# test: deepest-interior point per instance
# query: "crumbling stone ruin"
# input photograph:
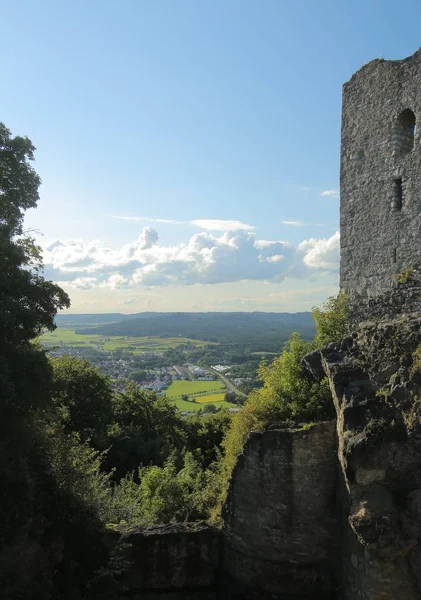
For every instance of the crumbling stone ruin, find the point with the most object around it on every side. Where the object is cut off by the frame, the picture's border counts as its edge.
(380, 215)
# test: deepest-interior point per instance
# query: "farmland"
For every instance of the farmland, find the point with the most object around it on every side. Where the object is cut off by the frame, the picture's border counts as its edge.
(193, 388)
(68, 337)
(195, 406)
(199, 393)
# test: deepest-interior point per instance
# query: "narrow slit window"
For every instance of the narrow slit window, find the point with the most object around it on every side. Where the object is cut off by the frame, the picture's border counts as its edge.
(397, 201)
(395, 255)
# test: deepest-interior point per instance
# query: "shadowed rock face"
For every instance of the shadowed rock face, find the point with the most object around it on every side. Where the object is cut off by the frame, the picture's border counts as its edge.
(279, 517)
(376, 390)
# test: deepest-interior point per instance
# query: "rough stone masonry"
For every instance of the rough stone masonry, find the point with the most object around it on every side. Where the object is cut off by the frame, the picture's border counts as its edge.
(380, 215)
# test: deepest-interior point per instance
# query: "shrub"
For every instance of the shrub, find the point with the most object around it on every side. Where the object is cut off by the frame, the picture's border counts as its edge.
(332, 320)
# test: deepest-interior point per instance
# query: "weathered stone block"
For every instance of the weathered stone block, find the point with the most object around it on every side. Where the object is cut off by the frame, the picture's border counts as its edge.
(280, 522)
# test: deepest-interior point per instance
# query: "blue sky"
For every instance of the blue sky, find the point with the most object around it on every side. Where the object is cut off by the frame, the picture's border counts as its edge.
(219, 121)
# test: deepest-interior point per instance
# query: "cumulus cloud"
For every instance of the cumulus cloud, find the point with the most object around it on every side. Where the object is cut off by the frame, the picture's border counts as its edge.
(205, 258)
(330, 193)
(321, 253)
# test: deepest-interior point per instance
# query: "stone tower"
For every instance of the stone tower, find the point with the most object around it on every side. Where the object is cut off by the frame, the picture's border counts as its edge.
(380, 214)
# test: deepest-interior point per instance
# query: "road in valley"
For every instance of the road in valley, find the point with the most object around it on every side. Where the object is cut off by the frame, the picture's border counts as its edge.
(230, 386)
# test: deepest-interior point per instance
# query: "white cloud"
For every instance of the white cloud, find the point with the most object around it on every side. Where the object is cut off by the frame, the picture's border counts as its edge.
(301, 224)
(330, 193)
(293, 223)
(321, 253)
(208, 224)
(205, 258)
(148, 219)
(305, 188)
(221, 225)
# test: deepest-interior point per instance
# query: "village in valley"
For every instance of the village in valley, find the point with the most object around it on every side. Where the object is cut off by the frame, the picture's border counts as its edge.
(192, 387)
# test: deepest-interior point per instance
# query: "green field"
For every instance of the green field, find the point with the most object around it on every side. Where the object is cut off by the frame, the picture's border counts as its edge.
(195, 406)
(193, 388)
(211, 399)
(203, 392)
(68, 337)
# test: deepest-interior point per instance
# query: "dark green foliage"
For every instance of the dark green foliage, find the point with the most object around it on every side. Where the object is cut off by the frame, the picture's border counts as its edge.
(82, 396)
(173, 492)
(28, 303)
(145, 429)
(138, 376)
(234, 398)
(204, 435)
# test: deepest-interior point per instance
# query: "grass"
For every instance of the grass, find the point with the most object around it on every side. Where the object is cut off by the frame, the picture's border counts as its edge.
(193, 388)
(197, 390)
(68, 337)
(211, 399)
(195, 406)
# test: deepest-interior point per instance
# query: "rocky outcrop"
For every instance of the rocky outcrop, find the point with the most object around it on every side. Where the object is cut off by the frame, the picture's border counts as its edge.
(375, 382)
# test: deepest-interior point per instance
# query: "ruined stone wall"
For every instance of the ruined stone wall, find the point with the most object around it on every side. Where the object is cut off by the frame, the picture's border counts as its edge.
(181, 559)
(380, 175)
(279, 516)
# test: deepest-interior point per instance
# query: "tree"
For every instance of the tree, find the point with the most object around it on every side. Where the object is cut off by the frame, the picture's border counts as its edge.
(185, 397)
(205, 434)
(82, 396)
(169, 495)
(138, 376)
(28, 303)
(146, 428)
(234, 398)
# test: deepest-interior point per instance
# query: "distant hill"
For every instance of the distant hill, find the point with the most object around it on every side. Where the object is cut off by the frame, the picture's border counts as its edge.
(259, 331)
(97, 319)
